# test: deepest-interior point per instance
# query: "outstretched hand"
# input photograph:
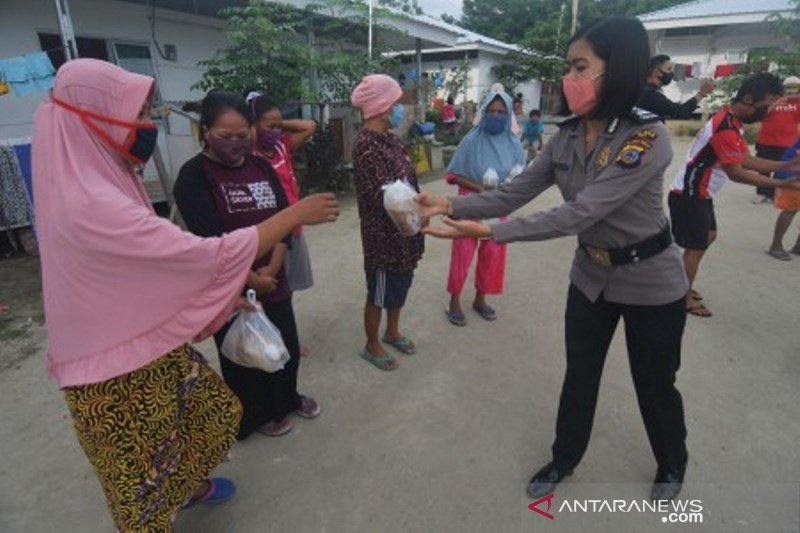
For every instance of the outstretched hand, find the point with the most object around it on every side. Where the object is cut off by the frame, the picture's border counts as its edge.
(793, 184)
(459, 229)
(430, 205)
(793, 165)
(317, 209)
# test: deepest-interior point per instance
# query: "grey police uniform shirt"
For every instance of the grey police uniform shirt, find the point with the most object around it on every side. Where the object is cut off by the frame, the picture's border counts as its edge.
(613, 197)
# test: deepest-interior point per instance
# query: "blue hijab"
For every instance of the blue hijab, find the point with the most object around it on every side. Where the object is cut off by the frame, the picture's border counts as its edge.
(480, 151)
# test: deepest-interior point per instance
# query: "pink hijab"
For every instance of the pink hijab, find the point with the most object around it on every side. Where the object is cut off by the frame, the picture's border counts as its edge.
(122, 287)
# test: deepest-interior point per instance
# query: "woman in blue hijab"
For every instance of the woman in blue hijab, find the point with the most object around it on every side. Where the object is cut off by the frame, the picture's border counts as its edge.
(487, 157)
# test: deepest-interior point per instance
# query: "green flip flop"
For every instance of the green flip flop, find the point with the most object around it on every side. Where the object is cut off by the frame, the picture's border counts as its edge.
(382, 362)
(404, 345)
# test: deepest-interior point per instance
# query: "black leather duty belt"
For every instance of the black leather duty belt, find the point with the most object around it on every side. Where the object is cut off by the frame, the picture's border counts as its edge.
(630, 254)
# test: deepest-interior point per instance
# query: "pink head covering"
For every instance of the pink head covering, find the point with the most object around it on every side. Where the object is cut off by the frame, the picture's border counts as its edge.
(376, 94)
(121, 285)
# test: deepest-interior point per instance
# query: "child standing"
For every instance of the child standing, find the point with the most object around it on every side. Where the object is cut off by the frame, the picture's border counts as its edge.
(532, 134)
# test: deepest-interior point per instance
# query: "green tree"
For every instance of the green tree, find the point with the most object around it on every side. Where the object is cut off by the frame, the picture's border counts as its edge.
(265, 49)
(542, 28)
(314, 54)
(407, 6)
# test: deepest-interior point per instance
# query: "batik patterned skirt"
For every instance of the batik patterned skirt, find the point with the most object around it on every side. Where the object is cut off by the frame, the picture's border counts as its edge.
(154, 435)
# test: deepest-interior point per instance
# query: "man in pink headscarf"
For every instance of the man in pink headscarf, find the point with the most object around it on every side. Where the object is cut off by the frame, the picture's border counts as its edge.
(380, 158)
(124, 293)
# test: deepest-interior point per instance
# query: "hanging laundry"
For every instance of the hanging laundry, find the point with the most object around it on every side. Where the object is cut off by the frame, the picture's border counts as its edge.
(679, 74)
(725, 70)
(437, 79)
(29, 73)
(14, 210)
(689, 71)
(23, 153)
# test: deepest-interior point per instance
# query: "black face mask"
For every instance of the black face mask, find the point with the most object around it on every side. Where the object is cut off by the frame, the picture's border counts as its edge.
(666, 78)
(758, 115)
(144, 144)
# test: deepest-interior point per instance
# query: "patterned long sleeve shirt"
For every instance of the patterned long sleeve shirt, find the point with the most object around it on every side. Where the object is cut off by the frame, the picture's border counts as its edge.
(380, 159)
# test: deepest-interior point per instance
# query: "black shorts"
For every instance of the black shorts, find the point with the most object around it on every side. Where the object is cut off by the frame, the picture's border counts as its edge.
(692, 219)
(388, 290)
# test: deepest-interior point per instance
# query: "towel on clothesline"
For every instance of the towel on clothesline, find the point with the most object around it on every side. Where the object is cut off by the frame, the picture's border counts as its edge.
(29, 73)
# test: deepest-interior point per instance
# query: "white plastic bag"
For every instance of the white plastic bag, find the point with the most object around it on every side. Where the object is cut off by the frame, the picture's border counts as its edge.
(253, 341)
(490, 179)
(515, 171)
(398, 199)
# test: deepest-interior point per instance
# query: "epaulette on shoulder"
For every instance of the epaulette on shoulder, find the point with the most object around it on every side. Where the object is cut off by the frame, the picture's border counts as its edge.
(642, 116)
(569, 120)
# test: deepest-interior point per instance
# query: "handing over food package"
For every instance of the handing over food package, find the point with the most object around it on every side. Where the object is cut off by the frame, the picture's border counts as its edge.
(398, 199)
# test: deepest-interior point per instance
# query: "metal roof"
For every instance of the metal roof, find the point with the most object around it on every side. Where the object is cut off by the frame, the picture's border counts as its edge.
(718, 8)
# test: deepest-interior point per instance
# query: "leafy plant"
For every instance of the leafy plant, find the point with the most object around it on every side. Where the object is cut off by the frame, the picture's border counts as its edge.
(324, 168)
(317, 54)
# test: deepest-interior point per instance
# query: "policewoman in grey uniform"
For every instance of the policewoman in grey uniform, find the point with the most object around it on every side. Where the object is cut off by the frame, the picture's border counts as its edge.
(608, 161)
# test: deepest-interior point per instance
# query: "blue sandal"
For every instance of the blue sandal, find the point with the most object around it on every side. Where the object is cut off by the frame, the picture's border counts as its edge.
(486, 312)
(220, 489)
(385, 362)
(404, 345)
(456, 318)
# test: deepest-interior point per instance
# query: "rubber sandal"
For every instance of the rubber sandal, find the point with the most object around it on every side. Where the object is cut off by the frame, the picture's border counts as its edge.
(700, 310)
(308, 408)
(456, 318)
(220, 490)
(486, 312)
(696, 295)
(404, 345)
(381, 362)
(782, 255)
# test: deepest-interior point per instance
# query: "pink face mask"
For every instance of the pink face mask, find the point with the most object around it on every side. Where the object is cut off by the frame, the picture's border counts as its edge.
(580, 93)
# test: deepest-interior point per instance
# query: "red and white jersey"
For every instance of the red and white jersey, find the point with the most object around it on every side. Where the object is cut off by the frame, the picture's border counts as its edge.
(720, 142)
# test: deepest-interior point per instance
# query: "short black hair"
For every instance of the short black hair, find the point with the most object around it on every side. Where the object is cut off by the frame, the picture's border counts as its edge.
(658, 60)
(759, 86)
(622, 43)
(450, 100)
(534, 113)
(261, 104)
(218, 102)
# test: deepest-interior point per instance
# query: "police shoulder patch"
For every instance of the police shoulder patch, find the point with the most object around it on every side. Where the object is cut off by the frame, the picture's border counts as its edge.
(634, 149)
(642, 116)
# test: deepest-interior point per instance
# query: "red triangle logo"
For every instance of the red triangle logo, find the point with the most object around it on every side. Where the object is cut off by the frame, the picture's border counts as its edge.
(534, 506)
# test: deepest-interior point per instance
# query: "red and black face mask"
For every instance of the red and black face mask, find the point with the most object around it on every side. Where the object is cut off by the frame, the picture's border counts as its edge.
(139, 145)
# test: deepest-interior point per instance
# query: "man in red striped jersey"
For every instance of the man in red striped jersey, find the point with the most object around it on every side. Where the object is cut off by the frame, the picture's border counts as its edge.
(718, 153)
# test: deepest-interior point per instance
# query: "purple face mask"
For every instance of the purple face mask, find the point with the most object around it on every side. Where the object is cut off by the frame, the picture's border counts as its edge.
(269, 138)
(229, 151)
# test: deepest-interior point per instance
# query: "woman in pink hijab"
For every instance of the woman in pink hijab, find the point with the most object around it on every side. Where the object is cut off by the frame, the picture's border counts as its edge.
(125, 292)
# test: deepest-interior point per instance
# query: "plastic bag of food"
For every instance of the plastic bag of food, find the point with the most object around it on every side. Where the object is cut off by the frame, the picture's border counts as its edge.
(490, 179)
(253, 341)
(398, 199)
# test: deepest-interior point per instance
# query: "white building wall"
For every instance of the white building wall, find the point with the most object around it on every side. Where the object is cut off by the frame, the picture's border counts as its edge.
(724, 46)
(195, 38)
(531, 94)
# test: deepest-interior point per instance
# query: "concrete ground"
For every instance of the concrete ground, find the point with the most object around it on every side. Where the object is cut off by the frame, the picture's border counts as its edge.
(448, 441)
